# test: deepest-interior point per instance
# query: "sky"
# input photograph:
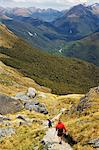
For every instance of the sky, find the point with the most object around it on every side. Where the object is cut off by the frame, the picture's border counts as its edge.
(55, 4)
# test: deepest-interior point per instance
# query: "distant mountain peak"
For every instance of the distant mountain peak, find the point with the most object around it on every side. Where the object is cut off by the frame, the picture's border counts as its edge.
(78, 10)
(95, 5)
(95, 8)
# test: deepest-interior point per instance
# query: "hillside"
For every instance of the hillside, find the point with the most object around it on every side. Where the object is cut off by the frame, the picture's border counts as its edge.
(38, 33)
(25, 129)
(11, 81)
(62, 75)
(13, 134)
(86, 49)
(83, 125)
(4, 34)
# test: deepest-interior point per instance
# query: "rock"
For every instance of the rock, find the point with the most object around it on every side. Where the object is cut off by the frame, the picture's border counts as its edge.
(22, 96)
(4, 118)
(51, 141)
(97, 89)
(7, 124)
(26, 96)
(21, 117)
(37, 121)
(31, 105)
(6, 132)
(89, 100)
(36, 106)
(94, 143)
(9, 105)
(24, 120)
(31, 92)
(4, 123)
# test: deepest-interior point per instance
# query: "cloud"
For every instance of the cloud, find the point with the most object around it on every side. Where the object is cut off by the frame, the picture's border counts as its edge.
(57, 4)
(47, 1)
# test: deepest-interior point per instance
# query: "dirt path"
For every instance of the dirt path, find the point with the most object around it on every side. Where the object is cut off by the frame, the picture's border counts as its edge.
(51, 140)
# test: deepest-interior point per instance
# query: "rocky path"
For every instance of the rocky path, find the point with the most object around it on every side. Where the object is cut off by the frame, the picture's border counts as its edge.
(51, 140)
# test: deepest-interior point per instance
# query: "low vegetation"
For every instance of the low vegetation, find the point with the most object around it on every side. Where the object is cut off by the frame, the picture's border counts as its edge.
(86, 49)
(82, 124)
(62, 75)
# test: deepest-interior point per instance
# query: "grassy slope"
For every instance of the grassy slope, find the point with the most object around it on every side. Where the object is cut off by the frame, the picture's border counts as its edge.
(85, 49)
(11, 82)
(82, 127)
(62, 75)
(7, 38)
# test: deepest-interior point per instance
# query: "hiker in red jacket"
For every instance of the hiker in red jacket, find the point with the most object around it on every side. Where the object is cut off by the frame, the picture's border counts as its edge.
(60, 128)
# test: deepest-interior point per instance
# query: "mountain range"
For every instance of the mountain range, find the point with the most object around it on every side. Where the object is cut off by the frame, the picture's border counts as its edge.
(37, 13)
(78, 22)
(54, 35)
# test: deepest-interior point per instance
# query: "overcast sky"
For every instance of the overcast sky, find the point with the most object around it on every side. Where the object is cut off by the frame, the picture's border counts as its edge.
(56, 4)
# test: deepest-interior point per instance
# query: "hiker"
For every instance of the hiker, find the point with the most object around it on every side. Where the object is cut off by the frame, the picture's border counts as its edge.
(60, 128)
(49, 123)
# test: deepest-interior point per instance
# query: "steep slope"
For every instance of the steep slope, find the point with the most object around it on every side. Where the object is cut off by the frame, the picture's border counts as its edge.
(85, 49)
(80, 115)
(12, 132)
(11, 81)
(62, 75)
(38, 33)
(4, 34)
(79, 21)
(83, 125)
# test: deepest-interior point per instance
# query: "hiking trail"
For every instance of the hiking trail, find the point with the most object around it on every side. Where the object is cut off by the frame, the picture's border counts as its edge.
(51, 140)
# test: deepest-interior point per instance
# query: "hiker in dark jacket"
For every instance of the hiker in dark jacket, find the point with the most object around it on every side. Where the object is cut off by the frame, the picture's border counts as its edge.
(49, 123)
(60, 128)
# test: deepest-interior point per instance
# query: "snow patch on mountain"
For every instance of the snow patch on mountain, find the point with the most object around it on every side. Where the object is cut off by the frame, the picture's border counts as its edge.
(60, 50)
(32, 34)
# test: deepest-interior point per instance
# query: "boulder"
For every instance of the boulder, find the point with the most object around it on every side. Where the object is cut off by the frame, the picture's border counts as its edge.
(4, 132)
(36, 106)
(94, 143)
(22, 96)
(37, 121)
(31, 92)
(89, 100)
(4, 118)
(9, 105)
(24, 120)
(21, 117)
